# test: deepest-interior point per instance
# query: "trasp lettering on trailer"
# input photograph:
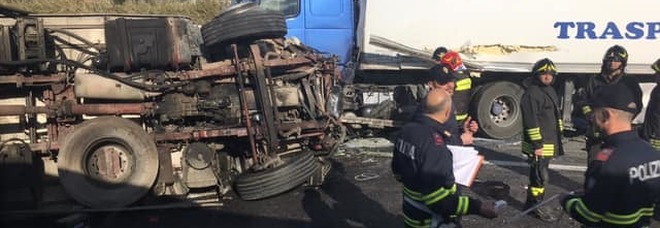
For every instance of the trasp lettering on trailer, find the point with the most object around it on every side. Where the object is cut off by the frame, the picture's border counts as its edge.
(611, 30)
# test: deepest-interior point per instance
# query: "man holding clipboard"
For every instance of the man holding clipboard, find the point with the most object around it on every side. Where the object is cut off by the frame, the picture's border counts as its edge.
(423, 163)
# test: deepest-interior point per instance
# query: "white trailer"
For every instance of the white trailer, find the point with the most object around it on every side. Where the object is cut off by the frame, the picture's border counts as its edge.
(511, 35)
(501, 40)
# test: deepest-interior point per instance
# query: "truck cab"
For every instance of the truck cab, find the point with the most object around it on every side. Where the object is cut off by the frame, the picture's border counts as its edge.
(324, 25)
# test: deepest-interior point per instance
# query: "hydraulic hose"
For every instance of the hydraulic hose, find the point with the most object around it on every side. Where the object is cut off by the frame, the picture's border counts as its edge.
(73, 35)
(81, 49)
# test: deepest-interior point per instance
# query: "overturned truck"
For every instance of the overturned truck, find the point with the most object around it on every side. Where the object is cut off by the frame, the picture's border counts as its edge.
(126, 106)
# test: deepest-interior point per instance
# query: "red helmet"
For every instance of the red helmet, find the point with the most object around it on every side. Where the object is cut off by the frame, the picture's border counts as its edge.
(453, 60)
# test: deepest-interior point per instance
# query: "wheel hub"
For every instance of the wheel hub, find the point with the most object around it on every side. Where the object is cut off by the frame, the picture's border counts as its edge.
(110, 164)
(496, 109)
(501, 111)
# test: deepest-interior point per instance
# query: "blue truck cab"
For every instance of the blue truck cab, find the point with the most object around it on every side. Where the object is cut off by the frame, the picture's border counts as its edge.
(326, 25)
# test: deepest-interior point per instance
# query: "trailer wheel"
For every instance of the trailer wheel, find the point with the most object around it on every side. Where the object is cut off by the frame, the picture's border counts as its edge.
(247, 21)
(497, 107)
(271, 182)
(107, 162)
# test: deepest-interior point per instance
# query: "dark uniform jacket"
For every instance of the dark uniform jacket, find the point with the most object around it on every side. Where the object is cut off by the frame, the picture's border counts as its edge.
(600, 80)
(621, 185)
(542, 125)
(651, 129)
(423, 164)
(454, 130)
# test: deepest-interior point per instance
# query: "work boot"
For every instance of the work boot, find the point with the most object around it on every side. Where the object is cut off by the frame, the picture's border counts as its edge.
(532, 200)
(543, 214)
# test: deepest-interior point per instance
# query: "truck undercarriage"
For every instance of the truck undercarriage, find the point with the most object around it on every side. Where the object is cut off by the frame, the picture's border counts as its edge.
(154, 105)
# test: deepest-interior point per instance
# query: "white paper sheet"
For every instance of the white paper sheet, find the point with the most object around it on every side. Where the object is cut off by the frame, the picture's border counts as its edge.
(466, 164)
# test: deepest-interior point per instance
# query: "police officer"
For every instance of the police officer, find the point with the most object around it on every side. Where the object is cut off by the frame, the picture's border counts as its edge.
(612, 72)
(623, 180)
(542, 131)
(423, 163)
(651, 127)
(441, 78)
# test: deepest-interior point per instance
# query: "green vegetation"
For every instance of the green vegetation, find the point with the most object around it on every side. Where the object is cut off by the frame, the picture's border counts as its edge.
(201, 11)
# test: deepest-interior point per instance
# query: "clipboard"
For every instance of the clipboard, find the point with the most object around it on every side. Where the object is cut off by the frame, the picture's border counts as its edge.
(466, 163)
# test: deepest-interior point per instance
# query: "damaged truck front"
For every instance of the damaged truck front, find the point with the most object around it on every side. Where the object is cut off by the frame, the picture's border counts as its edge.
(126, 106)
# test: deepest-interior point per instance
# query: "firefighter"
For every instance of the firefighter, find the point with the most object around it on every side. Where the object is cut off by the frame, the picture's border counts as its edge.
(438, 53)
(443, 79)
(612, 72)
(423, 163)
(463, 85)
(651, 127)
(542, 131)
(623, 180)
(463, 89)
(436, 57)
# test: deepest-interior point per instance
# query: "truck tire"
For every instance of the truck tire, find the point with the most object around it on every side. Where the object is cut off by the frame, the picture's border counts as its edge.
(88, 152)
(271, 182)
(237, 8)
(248, 22)
(497, 107)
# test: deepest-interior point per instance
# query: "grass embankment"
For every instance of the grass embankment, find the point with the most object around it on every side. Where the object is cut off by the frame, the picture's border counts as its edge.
(201, 11)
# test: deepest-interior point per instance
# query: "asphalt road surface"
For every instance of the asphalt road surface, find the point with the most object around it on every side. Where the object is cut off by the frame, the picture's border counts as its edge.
(361, 192)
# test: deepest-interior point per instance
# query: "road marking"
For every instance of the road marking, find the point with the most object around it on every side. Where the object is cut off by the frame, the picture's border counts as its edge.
(524, 164)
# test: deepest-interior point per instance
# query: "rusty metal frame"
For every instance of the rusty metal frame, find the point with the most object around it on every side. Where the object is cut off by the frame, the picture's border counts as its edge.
(246, 113)
(304, 125)
(198, 134)
(109, 109)
(226, 69)
(165, 169)
(286, 62)
(263, 99)
(68, 108)
(34, 80)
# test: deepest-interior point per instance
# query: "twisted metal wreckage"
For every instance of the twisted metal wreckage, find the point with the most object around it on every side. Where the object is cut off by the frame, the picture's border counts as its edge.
(162, 106)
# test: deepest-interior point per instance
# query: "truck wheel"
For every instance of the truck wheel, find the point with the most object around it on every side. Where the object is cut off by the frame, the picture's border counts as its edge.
(271, 182)
(248, 22)
(497, 107)
(107, 162)
(237, 8)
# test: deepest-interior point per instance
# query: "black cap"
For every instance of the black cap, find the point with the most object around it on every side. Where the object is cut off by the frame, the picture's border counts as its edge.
(441, 74)
(438, 53)
(616, 96)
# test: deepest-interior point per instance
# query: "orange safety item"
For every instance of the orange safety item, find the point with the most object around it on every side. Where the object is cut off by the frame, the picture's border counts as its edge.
(453, 60)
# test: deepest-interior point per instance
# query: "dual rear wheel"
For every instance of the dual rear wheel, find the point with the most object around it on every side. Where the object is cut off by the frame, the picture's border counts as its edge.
(108, 162)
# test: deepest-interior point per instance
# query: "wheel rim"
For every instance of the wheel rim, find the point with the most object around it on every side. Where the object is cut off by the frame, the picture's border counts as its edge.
(109, 161)
(503, 111)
